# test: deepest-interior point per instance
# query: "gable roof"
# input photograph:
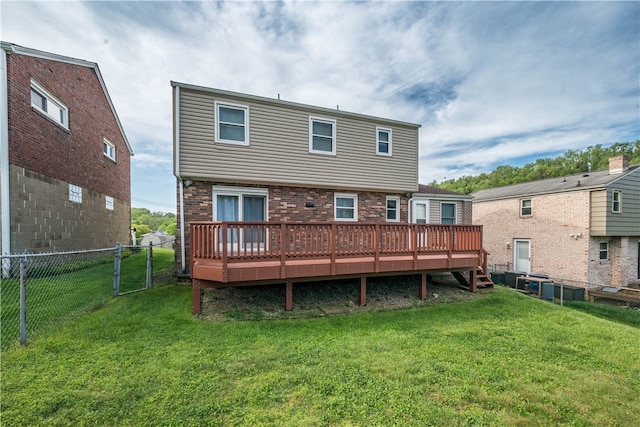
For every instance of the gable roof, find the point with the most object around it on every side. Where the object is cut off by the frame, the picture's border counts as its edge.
(427, 190)
(14, 48)
(577, 182)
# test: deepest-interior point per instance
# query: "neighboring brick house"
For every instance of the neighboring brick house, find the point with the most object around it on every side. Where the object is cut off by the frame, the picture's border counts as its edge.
(65, 172)
(583, 228)
(249, 158)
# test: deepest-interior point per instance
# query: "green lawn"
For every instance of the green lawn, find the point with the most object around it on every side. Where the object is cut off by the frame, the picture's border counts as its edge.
(67, 290)
(504, 359)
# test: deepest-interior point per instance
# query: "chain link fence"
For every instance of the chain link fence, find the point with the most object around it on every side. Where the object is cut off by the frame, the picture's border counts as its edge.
(40, 290)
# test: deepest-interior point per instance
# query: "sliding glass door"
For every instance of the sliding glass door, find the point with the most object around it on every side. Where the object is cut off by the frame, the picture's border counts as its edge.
(244, 205)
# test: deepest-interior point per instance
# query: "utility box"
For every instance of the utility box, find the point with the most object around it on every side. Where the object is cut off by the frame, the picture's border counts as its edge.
(569, 293)
(510, 277)
(547, 292)
(534, 286)
(497, 277)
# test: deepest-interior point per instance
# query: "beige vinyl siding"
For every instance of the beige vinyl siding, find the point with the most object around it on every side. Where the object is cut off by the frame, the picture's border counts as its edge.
(278, 150)
(435, 211)
(598, 214)
(626, 223)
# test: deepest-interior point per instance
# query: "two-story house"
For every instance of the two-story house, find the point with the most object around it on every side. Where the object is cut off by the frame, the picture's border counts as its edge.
(65, 159)
(319, 190)
(583, 229)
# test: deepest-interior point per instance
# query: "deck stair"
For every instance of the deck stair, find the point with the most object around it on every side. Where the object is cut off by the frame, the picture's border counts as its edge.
(482, 279)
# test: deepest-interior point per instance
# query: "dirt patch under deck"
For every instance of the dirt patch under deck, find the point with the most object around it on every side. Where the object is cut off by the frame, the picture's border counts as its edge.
(330, 298)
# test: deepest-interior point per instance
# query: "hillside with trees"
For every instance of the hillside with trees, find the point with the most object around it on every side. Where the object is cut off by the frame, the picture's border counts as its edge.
(145, 221)
(572, 162)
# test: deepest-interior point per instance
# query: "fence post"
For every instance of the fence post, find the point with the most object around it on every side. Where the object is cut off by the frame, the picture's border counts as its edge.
(23, 300)
(149, 281)
(116, 270)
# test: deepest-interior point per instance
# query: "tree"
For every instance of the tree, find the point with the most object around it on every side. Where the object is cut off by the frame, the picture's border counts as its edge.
(592, 158)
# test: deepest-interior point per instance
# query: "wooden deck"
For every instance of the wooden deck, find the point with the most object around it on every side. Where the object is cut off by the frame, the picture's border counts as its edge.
(256, 253)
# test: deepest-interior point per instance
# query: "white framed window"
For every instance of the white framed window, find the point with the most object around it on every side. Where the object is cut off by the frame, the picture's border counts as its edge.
(383, 141)
(525, 207)
(393, 208)
(447, 213)
(604, 250)
(108, 201)
(345, 207)
(75, 193)
(108, 149)
(616, 201)
(47, 104)
(232, 123)
(322, 136)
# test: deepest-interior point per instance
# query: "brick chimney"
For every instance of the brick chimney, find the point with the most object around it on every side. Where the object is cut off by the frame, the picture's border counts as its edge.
(618, 164)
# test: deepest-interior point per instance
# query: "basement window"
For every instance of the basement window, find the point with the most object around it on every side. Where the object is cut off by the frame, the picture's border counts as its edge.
(75, 193)
(604, 251)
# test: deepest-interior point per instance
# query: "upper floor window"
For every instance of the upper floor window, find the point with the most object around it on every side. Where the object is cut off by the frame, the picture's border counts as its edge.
(322, 136)
(393, 209)
(346, 207)
(108, 202)
(383, 141)
(75, 193)
(447, 213)
(525, 207)
(232, 123)
(108, 149)
(604, 250)
(46, 103)
(616, 201)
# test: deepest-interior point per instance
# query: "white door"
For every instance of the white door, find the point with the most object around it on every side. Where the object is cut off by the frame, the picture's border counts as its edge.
(420, 212)
(522, 256)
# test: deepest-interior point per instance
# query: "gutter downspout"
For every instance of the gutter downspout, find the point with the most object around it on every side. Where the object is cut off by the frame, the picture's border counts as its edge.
(5, 198)
(176, 168)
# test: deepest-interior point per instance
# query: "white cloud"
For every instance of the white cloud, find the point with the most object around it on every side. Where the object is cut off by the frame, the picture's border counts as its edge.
(491, 82)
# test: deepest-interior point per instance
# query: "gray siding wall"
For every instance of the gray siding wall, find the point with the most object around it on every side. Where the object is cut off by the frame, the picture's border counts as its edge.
(278, 150)
(626, 223)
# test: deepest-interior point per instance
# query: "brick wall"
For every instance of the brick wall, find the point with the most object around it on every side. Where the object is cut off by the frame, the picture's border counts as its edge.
(45, 157)
(285, 204)
(555, 218)
(75, 155)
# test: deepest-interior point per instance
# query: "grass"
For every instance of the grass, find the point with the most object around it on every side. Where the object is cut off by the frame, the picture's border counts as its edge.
(504, 359)
(69, 289)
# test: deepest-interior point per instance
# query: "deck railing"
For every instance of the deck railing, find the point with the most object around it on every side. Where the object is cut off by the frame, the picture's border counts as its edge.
(229, 241)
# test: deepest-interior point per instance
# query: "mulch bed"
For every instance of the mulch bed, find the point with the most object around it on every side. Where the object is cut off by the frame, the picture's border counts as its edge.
(329, 298)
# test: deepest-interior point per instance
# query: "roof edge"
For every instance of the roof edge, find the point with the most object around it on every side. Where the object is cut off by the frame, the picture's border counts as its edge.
(21, 50)
(291, 104)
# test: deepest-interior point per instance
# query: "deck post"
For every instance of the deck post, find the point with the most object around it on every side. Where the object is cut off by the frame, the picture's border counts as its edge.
(197, 297)
(422, 292)
(288, 296)
(362, 299)
(283, 252)
(472, 280)
(376, 248)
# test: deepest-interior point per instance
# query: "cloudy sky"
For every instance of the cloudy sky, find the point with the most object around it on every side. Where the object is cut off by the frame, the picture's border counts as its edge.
(492, 83)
